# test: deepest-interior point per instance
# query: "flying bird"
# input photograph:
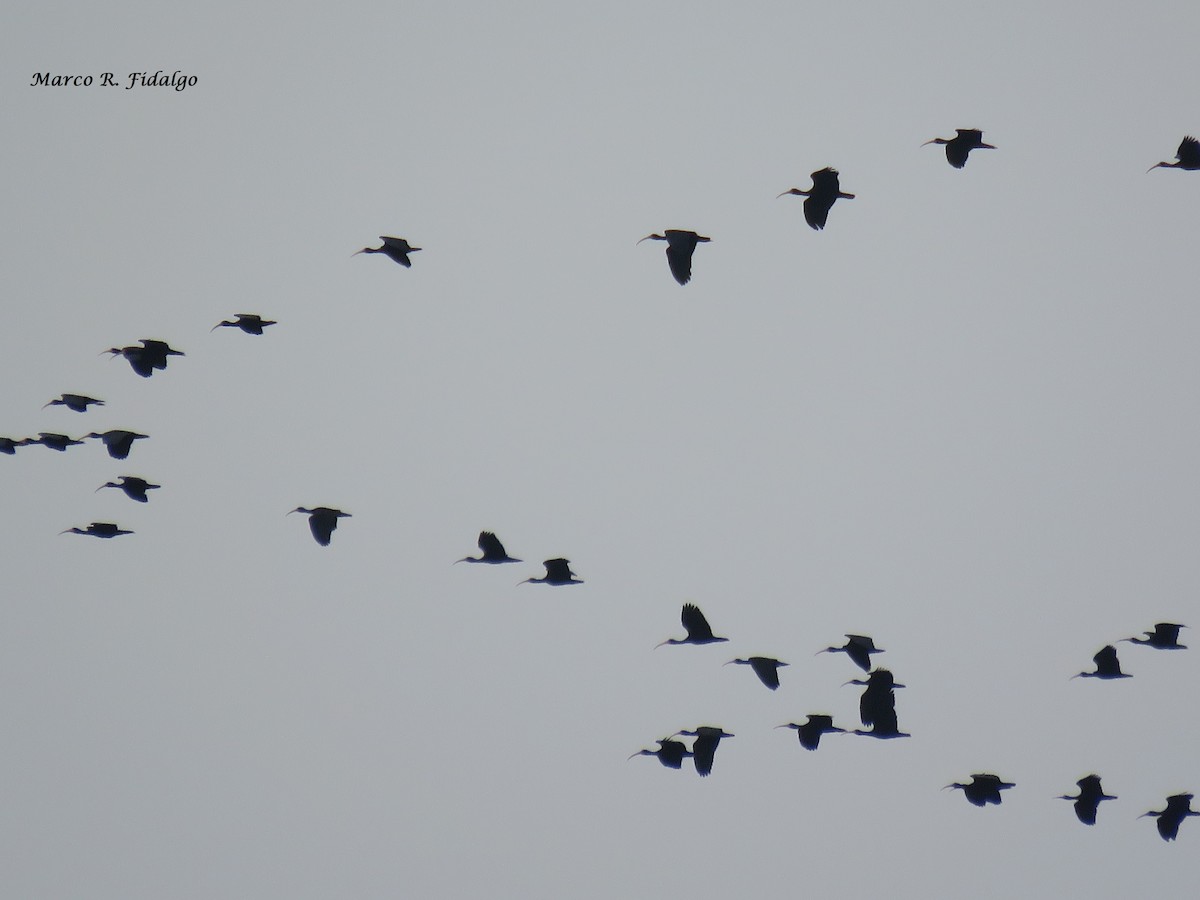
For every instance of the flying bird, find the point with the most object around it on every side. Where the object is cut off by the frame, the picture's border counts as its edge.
(75, 402)
(670, 753)
(117, 441)
(558, 571)
(1107, 665)
(957, 148)
(492, 551)
(1186, 157)
(1178, 808)
(766, 668)
(819, 199)
(148, 357)
(98, 529)
(704, 748)
(878, 702)
(135, 488)
(1165, 636)
(1089, 798)
(9, 445)
(859, 648)
(53, 440)
(810, 730)
(680, 246)
(983, 788)
(696, 626)
(883, 724)
(248, 322)
(394, 248)
(322, 520)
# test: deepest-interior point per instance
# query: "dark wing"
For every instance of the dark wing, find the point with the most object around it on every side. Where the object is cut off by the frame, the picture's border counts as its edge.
(1166, 633)
(1085, 809)
(493, 550)
(695, 624)
(703, 752)
(558, 569)
(322, 525)
(680, 261)
(766, 669)
(957, 151)
(1189, 152)
(816, 210)
(119, 447)
(859, 653)
(1106, 661)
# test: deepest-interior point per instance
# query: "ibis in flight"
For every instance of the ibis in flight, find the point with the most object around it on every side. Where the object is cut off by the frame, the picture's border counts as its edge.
(135, 488)
(558, 571)
(1087, 801)
(1178, 808)
(148, 357)
(859, 648)
(766, 668)
(1107, 665)
(983, 788)
(696, 626)
(670, 753)
(491, 549)
(810, 730)
(75, 402)
(322, 520)
(704, 748)
(53, 440)
(98, 529)
(250, 323)
(117, 441)
(394, 248)
(1165, 636)
(819, 199)
(680, 246)
(958, 148)
(1186, 157)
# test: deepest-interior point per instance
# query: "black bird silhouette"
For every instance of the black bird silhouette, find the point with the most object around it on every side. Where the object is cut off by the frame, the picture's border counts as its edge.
(696, 626)
(670, 753)
(9, 445)
(766, 668)
(322, 520)
(148, 357)
(75, 402)
(859, 648)
(819, 199)
(810, 731)
(250, 323)
(117, 441)
(704, 748)
(1165, 636)
(957, 148)
(1107, 665)
(394, 248)
(983, 788)
(1178, 808)
(135, 488)
(558, 571)
(492, 550)
(883, 724)
(680, 246)
(1186, 157)
(98, 529)
(1088, 799)
(53, 440)
(878, 702)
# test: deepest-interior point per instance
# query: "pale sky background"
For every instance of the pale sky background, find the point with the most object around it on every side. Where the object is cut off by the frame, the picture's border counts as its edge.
(962, 419)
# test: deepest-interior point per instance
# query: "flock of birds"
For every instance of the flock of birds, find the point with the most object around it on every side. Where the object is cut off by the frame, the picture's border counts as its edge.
(877, 704)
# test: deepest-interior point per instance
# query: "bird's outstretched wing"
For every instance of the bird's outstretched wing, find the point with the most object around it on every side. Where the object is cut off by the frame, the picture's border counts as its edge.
(694, 623)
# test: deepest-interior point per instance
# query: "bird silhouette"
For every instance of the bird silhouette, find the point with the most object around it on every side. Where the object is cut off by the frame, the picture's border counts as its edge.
(135, 488)
(1178, 808)
(957, 148)
(859, 648)
(883, 724)
(1089, 798)
(696, 626)
(878, 702)
(9, 445)
(558, 571)
(322, 520)
(98, 529)
(1186, 157)
(811, 729)
(766, 668)
(394, 248)
(250, 323)
(670, 753)
(1165, 636)
(53, 440)
(1107, 665)
(983, 788)
(117, 441)
(492, 551)
(680, 246)
(704, 748)
(819, 199)
(75, 402)
(147, 358)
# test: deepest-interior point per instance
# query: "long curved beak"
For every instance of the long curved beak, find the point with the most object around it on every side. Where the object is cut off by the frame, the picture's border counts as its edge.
(646, 238)
(930, 141)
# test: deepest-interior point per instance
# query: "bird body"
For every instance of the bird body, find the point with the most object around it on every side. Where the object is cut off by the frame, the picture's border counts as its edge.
(1178, 808)
(117, 441)
(248, 322)
(322, 520)
(983, 788)
(959, 147)
(1107, 665)
(859, 648)
(1165, 636)
(680, 247)
(147, 358)
(491, 549)
(98, 529)
(704, 748)
(878, 702)
(809, 732)
(1087, 802)
(670, 753)
(765, 667)
(558, 571)
(1186, 157)
(53, 440)
(9, 445)
(135, 488)
(697, 628)
(393, 248)
(819, 199)
(75, 402)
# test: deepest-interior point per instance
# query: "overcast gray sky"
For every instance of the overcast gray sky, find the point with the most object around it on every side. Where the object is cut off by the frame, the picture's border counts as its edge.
(961, 419)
